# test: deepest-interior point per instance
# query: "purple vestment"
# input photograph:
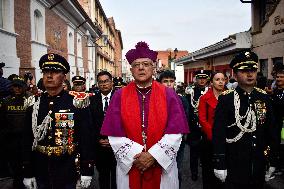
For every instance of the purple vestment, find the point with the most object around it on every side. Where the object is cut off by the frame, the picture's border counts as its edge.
(176, 121)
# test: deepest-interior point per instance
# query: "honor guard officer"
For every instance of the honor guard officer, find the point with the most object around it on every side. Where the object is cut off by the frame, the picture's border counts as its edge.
(278, 104)
(243, 129)
(79, 84)
(194, 137)
(12, 116)
(57, 127)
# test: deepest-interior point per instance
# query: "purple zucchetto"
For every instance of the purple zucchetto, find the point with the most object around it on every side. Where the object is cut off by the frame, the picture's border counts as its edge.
(141, 51)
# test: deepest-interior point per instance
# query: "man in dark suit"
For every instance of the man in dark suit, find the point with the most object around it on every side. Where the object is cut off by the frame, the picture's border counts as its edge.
(105, 160)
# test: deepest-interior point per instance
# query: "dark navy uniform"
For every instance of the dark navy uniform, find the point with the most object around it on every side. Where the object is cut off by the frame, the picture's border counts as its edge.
(194, 137)
(278, 104)
(244, 159)
(238, 146)
(58, 128)
(52, 160)
(12, 116)
(12, 113)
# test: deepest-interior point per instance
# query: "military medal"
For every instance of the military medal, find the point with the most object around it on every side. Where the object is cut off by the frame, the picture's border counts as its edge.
(260, 111)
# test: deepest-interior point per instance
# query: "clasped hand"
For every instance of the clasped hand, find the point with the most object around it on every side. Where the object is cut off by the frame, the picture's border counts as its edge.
(143, 161)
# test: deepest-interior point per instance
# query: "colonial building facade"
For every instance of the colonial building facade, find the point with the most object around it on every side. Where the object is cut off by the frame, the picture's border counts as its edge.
(266, 38)
(268, 33)
(109, 45)
(118, 49)
(31, 28)
(214, 57)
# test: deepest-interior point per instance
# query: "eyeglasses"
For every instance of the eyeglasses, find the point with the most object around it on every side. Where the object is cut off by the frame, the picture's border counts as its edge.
(100, 82)
(144, 64)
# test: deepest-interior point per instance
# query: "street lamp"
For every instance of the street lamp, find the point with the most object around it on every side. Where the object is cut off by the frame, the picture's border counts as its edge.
(171, 59)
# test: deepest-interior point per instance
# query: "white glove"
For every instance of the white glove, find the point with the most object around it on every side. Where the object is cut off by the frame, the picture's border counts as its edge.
(269, 174)
(86, 181)
(220, 174)
(30, 183)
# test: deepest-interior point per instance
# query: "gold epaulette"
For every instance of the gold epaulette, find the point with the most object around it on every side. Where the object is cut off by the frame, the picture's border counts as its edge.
(260, 90)
(29, 101)
(81, 99)
(227, 92)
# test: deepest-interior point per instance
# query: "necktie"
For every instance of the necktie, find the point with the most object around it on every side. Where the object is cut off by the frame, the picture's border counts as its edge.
(106, 104)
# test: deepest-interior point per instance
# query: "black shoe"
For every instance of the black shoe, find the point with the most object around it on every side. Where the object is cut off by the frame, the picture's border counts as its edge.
(194, 177)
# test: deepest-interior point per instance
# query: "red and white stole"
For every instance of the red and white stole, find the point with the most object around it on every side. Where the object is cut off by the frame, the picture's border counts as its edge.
(157, 120)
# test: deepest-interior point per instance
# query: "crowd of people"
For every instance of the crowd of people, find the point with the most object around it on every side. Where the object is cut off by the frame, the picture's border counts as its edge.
(54, 136)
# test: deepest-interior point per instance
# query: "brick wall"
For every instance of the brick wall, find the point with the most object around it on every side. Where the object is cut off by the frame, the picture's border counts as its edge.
(118, 54)
(56, 33)
(117, 49)
(85, 54)
(23, 29)
(163, 56)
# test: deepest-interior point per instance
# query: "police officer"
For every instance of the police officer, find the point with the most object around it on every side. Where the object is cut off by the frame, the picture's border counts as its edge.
(194, 137)
(57, 127)
(79, 84)
(12, 116)
(243, 129)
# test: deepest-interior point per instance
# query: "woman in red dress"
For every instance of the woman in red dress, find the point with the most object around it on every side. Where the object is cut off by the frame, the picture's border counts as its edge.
(206, 113)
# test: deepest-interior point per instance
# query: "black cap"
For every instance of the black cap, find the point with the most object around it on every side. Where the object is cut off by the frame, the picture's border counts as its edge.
(12, 76)
(202, 74)
(2, 64)
(19, 81)
(245, 60)
(118, 82)
(55, 62)
(78, 79)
